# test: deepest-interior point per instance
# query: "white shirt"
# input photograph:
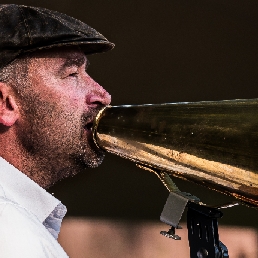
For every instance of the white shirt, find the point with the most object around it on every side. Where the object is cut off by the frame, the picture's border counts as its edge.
(30, 217)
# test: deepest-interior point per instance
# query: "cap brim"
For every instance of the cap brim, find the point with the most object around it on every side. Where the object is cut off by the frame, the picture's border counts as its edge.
(88, 47)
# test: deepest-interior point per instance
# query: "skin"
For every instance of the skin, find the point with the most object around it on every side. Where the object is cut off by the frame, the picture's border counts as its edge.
(46, 114)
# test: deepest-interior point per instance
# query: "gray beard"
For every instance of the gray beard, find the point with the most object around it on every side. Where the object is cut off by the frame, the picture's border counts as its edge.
(51, 161)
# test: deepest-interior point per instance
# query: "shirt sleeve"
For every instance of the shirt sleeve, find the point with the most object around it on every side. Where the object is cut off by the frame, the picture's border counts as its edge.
(24, 236)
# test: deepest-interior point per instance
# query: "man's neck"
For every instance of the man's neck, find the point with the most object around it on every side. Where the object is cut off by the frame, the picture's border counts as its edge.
(13, 153)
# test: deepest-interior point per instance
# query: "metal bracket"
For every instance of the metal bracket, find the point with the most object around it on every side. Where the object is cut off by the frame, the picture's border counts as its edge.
(172, 214)
(203, 234)
(201, 220)
(202, 226)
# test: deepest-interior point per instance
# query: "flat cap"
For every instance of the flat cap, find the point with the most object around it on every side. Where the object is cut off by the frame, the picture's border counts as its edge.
(25, 29)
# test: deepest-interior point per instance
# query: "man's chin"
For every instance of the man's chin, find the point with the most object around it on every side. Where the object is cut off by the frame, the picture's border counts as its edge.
(93, 155)
(90, 160)
(95, 161)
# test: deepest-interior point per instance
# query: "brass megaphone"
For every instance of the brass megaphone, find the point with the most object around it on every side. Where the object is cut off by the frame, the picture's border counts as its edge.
(214, 144)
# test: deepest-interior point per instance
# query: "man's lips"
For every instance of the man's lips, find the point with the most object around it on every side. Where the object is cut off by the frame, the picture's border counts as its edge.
(88, 132)
(88, 129)
(88, 126)
(89, 118)
(88, 123)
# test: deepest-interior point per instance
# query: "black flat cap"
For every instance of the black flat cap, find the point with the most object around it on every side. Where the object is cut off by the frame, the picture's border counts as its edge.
(25, 29)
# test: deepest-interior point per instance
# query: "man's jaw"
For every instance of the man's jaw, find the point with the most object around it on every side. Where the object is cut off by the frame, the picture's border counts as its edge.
(97, 154)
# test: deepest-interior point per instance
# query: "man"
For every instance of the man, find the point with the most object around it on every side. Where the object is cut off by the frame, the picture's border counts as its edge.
(47, 106)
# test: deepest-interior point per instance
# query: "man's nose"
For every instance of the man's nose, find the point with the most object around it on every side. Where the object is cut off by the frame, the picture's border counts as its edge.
(97, 96)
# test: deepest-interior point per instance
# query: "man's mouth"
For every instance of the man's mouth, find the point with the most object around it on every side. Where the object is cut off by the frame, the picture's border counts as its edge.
(88, 123)
(88, 130)
(88, 126)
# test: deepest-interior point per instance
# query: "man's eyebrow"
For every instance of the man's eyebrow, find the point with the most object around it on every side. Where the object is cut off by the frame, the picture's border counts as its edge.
(69, 62)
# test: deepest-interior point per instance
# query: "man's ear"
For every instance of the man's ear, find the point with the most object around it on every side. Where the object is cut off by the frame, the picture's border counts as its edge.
(9, 110)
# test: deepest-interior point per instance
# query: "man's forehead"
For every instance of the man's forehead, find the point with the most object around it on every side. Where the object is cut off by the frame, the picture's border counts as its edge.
(65, 56)
(59, 52)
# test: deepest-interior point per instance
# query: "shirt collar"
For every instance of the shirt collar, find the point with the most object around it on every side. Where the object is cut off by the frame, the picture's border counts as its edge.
(20, 189)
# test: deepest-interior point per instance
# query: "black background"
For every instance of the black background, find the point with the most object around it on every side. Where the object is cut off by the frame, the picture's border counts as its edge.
(166, 51)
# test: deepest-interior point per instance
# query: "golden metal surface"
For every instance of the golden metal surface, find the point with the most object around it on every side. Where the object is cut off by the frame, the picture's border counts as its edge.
(211, 143)
(164, 178)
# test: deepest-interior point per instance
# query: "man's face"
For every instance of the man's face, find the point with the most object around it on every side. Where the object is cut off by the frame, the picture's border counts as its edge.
(58, 104)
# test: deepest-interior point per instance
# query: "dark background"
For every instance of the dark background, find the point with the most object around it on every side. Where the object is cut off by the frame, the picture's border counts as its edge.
(166, 51)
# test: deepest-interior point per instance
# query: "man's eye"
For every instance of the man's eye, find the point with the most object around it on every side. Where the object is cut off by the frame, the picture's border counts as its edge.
(73, 75)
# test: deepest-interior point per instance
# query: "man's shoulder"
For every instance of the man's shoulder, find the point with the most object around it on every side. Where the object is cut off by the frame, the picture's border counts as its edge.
(22, 234)
(12, 214)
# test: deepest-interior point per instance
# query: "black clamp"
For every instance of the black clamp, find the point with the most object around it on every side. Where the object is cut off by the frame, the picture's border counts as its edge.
(201, 223)
(203, 234)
